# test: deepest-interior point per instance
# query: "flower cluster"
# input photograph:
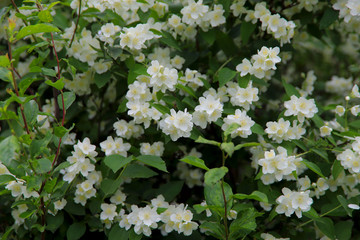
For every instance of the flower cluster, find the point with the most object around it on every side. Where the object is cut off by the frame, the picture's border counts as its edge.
(292, 201)
(274, 24)
(276, 167)
(177, 124)
(261, 63)
(243, 120)
(300, 107)
(281, 130)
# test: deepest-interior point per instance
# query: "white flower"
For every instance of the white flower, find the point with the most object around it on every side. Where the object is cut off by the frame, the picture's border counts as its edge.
(245, 122)
(15, 187)
(300, 107)
(86, 147)
(354, 206)
(60, 204)
(108, 211)
(177, 125)
(118, 198)
(325, 131)
(292, 201)
(244, 68)
(340, 110)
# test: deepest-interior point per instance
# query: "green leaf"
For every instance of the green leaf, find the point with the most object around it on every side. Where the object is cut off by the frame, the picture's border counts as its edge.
(321, 153)
(250, 144)
(27, 214)
(208, 36)
(326, 226)
(206, 141)
(329, 17)
(225, 75)
(161, 108)
(343, 230)
(5, 178)
(312, 214)
(109, 186)
(256, 195)
(344, 203)
(258, 129)
(74, 208)
(318, 121)
(102, 79)
(45, 16)
(69, 98)
(4, 61)
(337, 169)
(228, 147)
(231, 128)
(246, 29)
(54, 222)
(133, 235)
(153, 161)
(216, 229)
(59, 84)
(170, 190)
(8, 148)
(245, 224)
(214, 175)
(48, 72)
(117, 233)
(5, 74)
(186, 89)
(115, 162)
(60, 131)
(76, 231)
(138, 171)
(167, 39)
(42, 165)
(290, 89)
(214, 195)
(195, 161)
(31, 110)
(37, 28)
(313, 167)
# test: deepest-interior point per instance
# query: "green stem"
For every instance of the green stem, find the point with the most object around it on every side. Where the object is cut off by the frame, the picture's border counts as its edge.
(322, 215)
(224, 197)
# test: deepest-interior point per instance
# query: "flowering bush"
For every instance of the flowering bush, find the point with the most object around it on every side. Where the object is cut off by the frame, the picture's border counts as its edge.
(179, 119)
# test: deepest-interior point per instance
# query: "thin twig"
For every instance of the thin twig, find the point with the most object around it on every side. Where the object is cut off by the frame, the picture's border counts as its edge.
(77, 23)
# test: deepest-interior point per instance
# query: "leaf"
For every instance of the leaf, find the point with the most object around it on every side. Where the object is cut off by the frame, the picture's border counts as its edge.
(115, 162)
(337, 169)
(167, 39)
(256, 195)
(102, 79)
(122, 106)
(344, 203)
(60, 131)
(186, 89)
(5, 178)
(326, 226)
(206, 141)
(214, 175)
(59, 84)
(37, 28)
(170, 190)
(231, 128)
(54, 222)
(109, 186)
(195, 161)
(256, 128)
(161, 108)
(8, 148)
(42, 165)
(290, 89)
(321, 153)
(69, 98)
(214, 195)
(246, 29)
(138, 171)
(329, 17)
(228, 147)
(76, 231)
(313, 167)
(215, 229)
(4, 61)
(117, 233)
(245, 224)
(153, 161)
(343, 230)
(27, 214)
(31, 110)
(45, 16)
(225, 75)
(312, 214)
(250, 144)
